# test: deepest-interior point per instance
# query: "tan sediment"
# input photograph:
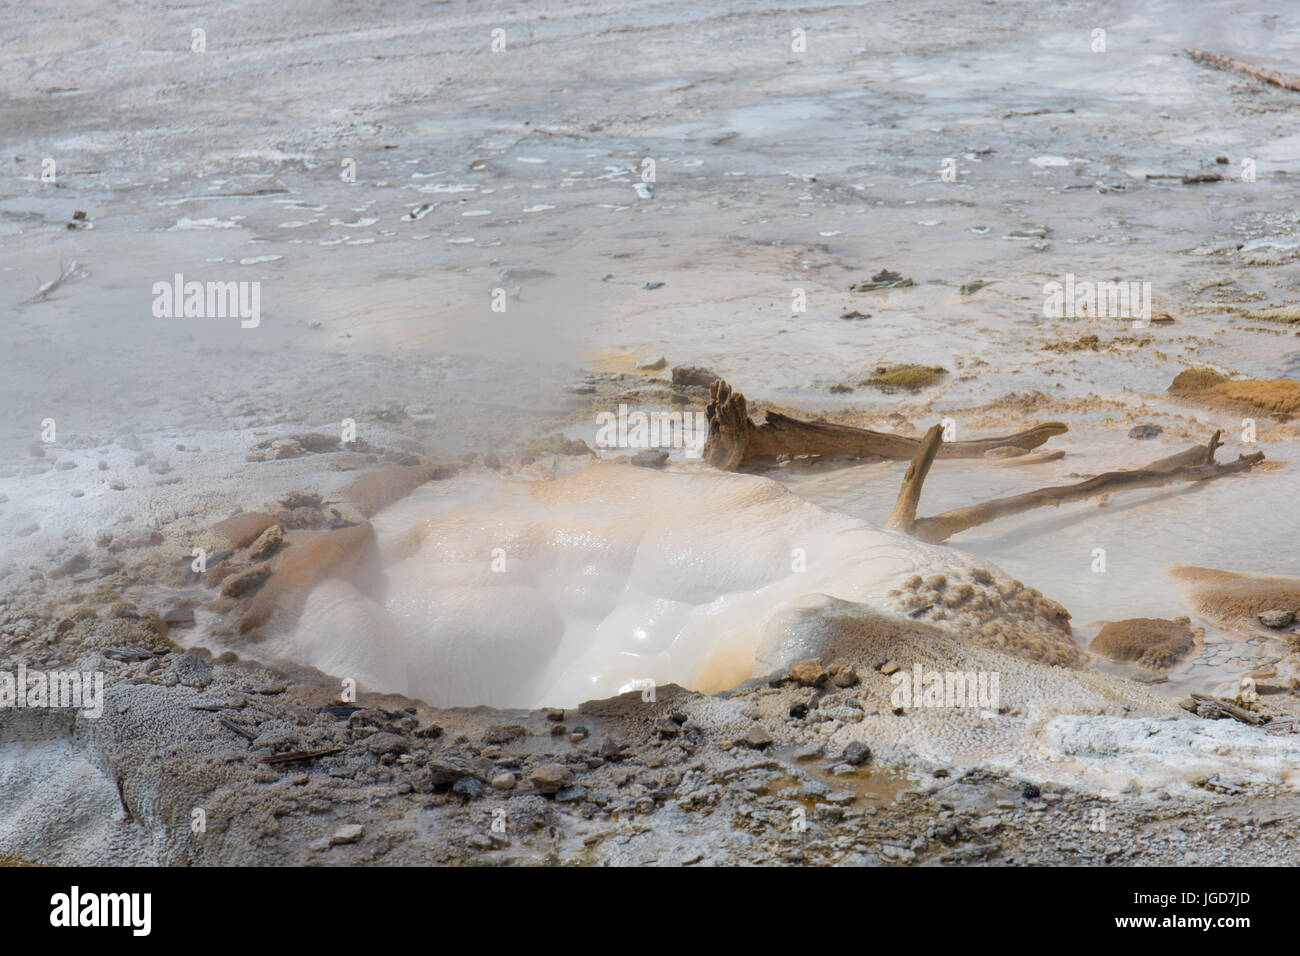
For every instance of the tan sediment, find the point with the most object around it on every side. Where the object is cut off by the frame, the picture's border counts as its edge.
(1287, 314)
(1231, 598)
(909, 378)
(1273, 395)
(243, 528)
(1210, 387)
(1196, 380)
(1151, 641)
(312, 559)
(373, 491)
(1093, 343)
(327, 555)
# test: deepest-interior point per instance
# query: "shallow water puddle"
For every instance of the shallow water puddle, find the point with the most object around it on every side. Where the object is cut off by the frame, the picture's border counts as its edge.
(875, 787)
(863, 786)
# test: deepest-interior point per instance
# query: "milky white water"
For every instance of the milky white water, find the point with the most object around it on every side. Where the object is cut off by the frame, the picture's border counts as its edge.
(523, 593)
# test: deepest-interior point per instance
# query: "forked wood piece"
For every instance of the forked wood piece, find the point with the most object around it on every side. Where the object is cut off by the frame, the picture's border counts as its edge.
(1194, 464)
(734, 440)
(909, 496)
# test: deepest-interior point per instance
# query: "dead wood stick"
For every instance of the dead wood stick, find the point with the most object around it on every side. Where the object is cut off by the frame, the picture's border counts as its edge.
(734, 440)
(240, 729)
(1232, 710)
(296, 755)
(1194, 464)
(1188, 179)
(1196, 455)
(909, 495)
(46, 288)
(1241, 66)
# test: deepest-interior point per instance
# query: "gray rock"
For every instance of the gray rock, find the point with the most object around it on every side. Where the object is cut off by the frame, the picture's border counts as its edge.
(348, 833)
(551, 777)
(650, 458)
(1276, 619)
(385, 743)
(857, 753)
(316, 442)
(469, 788)
(504, 733)
(899, 853)
(694, 375)
(446, 768)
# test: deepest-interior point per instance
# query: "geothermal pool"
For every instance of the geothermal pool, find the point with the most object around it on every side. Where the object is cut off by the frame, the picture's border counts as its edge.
(523, 593)
(528, 591)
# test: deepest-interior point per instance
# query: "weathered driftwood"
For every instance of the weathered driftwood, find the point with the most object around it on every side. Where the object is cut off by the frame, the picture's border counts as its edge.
(1194, 464)
(41, 294)
(734, 440)
(297, 755)
(1241, 66)
(903, 517)
(237, 728)
(1229, 709)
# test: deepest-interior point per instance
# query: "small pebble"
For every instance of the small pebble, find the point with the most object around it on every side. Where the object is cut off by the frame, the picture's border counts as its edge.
(348, 833)
(1276, 619)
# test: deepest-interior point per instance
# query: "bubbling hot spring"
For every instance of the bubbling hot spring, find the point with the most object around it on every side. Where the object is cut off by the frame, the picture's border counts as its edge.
(513, 592)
